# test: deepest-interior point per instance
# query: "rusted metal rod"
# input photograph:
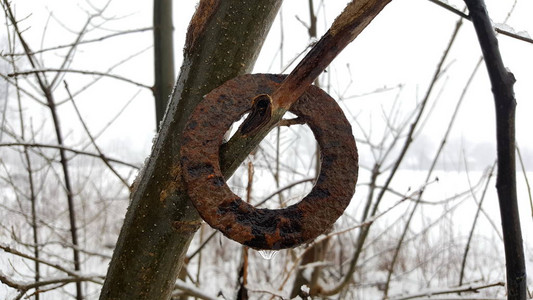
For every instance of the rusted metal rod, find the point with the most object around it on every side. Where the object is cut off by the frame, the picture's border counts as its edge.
(355, 17)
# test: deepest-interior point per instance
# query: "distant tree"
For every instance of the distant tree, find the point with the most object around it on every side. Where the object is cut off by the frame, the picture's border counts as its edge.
(163, 56)
(63, 196)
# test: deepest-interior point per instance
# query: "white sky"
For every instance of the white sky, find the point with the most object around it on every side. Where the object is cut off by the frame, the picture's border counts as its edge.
(402, 46)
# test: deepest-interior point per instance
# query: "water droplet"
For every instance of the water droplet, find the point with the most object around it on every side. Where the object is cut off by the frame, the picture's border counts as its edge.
(268, 254)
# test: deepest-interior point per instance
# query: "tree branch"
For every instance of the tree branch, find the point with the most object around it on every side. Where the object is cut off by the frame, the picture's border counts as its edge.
(502, 82)
(518, 36)
(163, 57)
(91, 138)
(459, 289)
(64, 148)
(81, 42)
(104, 74)
(223, 41)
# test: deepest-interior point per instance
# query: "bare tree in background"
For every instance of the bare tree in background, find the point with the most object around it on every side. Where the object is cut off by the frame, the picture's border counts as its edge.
(163, 56)
(393, 238)
(52, 168)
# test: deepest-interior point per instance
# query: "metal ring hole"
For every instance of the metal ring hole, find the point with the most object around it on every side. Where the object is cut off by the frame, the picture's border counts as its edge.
(234, 127)
(280, 177)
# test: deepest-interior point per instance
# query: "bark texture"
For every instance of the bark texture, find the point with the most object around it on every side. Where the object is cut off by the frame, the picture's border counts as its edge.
(163, 57)
(224, 39)
(502, 82)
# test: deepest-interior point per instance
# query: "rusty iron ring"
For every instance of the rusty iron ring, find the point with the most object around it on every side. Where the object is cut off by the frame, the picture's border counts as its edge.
(268, 228)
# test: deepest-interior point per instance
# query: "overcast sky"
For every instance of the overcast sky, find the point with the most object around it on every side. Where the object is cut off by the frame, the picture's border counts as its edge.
(401, 46)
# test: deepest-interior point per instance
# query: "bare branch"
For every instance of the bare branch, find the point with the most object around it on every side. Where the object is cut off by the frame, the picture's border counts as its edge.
(454, 10)
(184, 288)
(64, 148)
(100, 154)
(283, 189)
(502, 81)
(99, 39)
(24, 287)
(40, 260)
(103, 74)
(525, 178)
(460, 289)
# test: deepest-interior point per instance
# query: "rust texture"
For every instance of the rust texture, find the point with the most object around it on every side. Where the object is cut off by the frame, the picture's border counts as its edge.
(260, 114)
(348, 25)
(205, 10)
(268, 228)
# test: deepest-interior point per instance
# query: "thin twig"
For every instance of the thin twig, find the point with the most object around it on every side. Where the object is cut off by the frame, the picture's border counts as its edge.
(474, 222)
(514, 35)
(466, 288)
(103, 74)
(117, 115)
(12, 82)
(64, 148)
(88, 41)
(100, 154)
(289, 186)
(24, 287)
(107, 71)
(450, 8)
(184, 288)
(30, 171)
(40, 260)
(467, 247)
(454, 10)
(429, 174)
(525, 178)
(204, 243)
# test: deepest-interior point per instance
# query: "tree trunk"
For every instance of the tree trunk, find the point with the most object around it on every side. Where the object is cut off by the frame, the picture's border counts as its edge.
(163, 57)
(502, 82)
(223, 41)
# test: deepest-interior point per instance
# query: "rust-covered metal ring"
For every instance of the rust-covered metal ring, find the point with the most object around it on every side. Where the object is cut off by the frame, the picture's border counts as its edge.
(268, 228)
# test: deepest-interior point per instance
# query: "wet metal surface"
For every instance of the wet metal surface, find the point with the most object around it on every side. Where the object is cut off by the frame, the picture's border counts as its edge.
(268, 228)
